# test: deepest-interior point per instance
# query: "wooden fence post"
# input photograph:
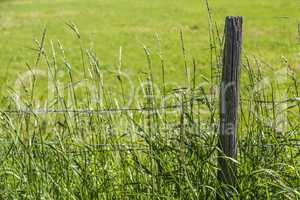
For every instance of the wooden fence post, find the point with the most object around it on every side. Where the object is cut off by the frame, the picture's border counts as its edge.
(229, 101)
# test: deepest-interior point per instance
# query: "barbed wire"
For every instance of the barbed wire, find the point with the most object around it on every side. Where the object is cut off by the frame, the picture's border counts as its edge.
(88, 111)
(116, 147)
(121, 110)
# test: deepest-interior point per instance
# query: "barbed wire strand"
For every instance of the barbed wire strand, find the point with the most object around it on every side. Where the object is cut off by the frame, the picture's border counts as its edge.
(121, 110)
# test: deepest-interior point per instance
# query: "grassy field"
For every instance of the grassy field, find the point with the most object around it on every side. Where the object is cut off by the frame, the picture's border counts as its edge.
(82, 118)
(270, 30)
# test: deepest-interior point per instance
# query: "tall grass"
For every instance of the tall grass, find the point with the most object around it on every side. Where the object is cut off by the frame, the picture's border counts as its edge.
(100, 135)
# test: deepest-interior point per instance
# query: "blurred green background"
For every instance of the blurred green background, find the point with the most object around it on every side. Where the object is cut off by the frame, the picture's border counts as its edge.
(270, 31)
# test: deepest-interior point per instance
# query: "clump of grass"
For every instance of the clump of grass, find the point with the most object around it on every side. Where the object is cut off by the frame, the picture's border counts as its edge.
(88, 141)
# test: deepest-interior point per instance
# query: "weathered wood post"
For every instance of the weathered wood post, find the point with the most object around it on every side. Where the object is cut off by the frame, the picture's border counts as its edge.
(229, 101)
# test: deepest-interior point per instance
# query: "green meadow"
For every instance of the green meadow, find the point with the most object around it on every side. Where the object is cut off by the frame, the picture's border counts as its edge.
(119, 99)
(270, 30)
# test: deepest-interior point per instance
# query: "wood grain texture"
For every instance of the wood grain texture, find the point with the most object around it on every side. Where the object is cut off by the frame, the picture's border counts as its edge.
(229, 100)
